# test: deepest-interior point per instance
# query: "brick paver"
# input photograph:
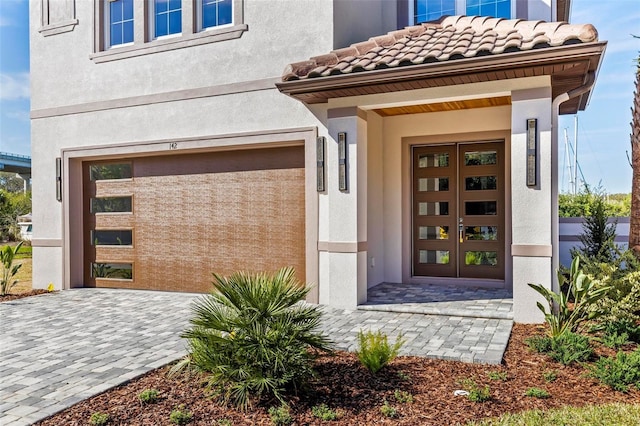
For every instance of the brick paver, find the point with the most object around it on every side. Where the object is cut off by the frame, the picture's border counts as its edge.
(58, 349)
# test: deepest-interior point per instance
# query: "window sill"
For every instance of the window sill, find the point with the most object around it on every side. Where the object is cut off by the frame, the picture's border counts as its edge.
(62, 27)
(156, 46)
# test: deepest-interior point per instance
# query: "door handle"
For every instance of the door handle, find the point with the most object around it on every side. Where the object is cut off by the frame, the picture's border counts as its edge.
(461, 231)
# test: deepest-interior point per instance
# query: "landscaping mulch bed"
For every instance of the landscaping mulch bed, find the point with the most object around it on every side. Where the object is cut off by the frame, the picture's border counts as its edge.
(12, 296)
(345, 385)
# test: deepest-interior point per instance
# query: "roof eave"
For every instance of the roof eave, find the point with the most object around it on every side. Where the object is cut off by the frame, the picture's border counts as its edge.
(475, 65)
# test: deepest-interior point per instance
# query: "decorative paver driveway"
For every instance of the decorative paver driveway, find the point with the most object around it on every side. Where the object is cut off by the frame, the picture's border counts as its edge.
(60, 348)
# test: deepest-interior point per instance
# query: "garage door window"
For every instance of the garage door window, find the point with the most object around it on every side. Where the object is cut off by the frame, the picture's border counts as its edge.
(112, 237)
(118, 271)
(110, 171)
(111, 205)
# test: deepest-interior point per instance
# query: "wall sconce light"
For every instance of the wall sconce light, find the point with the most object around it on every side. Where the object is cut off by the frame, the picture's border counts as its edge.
(320, 144)
(342, 161)
(59, 179)
(532, 152)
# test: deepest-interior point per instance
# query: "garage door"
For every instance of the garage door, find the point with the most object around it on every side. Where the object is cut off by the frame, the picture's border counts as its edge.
(167, 223)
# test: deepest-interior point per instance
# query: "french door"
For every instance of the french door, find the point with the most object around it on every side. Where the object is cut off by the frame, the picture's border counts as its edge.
(458, 210)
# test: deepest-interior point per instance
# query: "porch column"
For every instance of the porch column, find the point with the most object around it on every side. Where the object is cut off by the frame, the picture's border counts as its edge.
(532, 207)
(342, 239)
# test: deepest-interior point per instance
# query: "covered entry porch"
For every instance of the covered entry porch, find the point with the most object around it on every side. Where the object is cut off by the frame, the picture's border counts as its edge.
(399, 200)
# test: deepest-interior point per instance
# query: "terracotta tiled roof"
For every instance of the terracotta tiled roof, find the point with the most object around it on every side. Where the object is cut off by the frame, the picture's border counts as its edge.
(450, 38)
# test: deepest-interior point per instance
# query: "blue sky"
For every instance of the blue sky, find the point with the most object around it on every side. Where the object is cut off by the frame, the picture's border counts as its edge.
(603, 129)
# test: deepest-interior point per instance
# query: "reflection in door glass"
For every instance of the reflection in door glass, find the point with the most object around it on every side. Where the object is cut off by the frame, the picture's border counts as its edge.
(120, 271)
(110, 204)
(439, 257)
(433, 184)
(484, 233)
(438, 208)
(433, 233)
(480, 183)
(487, 258)
(112, 237)
(480, 158)
(433, 160)
(480, 208)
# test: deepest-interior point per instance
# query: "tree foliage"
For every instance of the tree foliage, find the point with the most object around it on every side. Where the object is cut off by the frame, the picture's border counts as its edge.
(582, 204)
(12, 205)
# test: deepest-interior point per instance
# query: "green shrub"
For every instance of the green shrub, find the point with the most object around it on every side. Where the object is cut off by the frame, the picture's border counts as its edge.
(540, 344)
(403, 397)
(619, 372)
(476, 393)
(537, 393)
(619, 309)
(180, 415)
(375, 351)
(323, 412)
(565, 348)
(148, 396)
(388, 410)
(224, 422)
(598, 234)
(280, 416)
(99, 419)
(581, 289)
(9, 268)
(252, 335)
(498, 375)
(550, 375)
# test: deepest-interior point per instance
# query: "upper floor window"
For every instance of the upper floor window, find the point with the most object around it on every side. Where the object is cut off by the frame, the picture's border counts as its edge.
(167, 16)
(214, 13)
(120, 19)
(495, 8)
(431, 10)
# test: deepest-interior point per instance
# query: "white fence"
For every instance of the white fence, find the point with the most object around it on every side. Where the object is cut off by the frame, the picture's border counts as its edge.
(571, 229)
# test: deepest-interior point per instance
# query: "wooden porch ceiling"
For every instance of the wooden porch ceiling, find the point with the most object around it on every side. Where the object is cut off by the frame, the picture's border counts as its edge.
(445, 106)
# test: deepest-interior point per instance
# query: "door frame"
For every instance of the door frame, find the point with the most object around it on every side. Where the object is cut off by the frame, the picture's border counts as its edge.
(407, 219)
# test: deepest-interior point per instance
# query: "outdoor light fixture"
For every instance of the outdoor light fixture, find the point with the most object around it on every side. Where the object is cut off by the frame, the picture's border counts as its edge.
(59, 179)
(342, 161)
(532, 152)
(320, 144)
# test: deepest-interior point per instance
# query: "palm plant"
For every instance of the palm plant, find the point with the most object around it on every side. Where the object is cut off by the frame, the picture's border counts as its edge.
(9, 268)
(253, 336)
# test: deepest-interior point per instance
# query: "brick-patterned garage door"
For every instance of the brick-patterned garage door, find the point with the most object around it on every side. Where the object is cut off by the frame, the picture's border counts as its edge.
(168, 222)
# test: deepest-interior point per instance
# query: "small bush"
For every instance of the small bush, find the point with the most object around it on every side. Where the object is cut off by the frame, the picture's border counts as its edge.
(498, 375)
(403, 397)
(537, 393)
(569, 348)
(9, 268)
(180, 415)
(566, 348)
(619, 372)
(99, 419)
(550, 375)
(252, 335)
(280, 416)
(619, 332)
(323, 412)
(375, 351)
(476, 393)
(388, 410)
(540, 344)
(148, 396)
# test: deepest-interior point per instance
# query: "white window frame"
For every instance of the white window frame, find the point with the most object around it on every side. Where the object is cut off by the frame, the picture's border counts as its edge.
(461, 9)
(199, 17)
(151, 22)
(107, 27)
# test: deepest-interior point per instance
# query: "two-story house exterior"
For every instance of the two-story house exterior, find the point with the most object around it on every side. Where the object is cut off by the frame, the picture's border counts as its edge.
(173, 138)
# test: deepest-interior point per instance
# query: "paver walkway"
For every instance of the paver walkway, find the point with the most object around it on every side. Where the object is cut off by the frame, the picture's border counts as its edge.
(58, 349)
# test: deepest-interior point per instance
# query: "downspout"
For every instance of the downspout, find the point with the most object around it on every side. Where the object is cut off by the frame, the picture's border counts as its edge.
(555, 223)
